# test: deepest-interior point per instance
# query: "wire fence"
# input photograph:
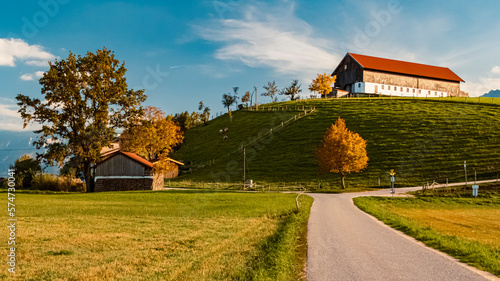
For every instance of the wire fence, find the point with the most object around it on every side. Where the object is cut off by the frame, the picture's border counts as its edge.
(302, 112)
(251, 187)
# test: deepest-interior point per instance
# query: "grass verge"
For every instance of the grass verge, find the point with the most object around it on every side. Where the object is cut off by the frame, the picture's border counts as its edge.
(168, 235)
(461, 227)
(285, 253)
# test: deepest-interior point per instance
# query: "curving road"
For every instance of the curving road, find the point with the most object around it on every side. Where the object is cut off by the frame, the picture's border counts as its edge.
(344, 243)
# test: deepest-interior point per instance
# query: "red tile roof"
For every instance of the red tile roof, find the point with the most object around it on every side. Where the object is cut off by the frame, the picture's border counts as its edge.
(129, 155)
(138, 158)
(403, 67)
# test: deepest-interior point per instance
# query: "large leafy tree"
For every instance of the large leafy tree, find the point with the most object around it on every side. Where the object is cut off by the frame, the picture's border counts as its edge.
(85, 100)
(153, 137)
(271, 90)
(322, 84)
(293, 90)
(341, 151)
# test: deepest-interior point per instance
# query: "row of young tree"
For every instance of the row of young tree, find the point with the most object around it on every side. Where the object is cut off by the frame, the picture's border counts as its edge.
(322, 85)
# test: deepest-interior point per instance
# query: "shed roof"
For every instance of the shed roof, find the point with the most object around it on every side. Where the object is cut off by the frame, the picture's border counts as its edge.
(108, 154)
(169, 159)
(130, 155)
(403, 67)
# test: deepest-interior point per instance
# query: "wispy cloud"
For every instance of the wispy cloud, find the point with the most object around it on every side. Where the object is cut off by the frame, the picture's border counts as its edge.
(10, 119)
(27, 77)
(12, 50)
(31, 76)
(285, 44)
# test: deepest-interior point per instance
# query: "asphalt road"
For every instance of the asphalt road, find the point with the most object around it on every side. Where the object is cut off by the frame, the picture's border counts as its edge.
(345, 243)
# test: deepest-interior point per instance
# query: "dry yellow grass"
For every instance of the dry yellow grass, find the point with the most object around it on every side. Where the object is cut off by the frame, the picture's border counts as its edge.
(478, 224)
(138, 248)
(106, 237)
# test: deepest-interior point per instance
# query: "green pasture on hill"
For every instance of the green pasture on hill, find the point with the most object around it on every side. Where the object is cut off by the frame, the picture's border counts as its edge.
(421, 139)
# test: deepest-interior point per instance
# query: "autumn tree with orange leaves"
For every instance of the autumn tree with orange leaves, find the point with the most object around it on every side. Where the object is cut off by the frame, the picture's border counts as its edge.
(341, 151)
(322, 84)
(153, 138)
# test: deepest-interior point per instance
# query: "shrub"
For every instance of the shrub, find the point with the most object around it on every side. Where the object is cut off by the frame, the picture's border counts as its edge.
(55, 183)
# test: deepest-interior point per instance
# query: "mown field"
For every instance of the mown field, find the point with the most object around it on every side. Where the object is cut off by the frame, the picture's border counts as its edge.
(422, 140)
(447, 220)
(168, 235)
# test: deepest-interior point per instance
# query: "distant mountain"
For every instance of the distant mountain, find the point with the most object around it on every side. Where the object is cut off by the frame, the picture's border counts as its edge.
(15, 144)
(492, 94)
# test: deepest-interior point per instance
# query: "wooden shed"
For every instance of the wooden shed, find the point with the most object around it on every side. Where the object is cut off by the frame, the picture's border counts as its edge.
(121, 171)
(174, 171)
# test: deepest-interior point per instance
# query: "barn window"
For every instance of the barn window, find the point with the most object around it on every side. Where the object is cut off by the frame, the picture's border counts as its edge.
(407, 90)
(382, 87)
(388, 87)
(414, 91)
(419, 91)
(345, 66)
(401, 89)
(435, 93)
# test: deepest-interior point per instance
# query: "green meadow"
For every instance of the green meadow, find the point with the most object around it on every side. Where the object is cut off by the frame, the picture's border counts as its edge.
(168, 235)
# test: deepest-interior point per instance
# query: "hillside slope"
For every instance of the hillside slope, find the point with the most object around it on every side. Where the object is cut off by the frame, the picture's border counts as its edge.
(420, 139)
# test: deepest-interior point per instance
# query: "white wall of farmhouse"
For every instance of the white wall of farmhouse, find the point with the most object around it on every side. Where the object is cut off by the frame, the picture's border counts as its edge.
(397, 91)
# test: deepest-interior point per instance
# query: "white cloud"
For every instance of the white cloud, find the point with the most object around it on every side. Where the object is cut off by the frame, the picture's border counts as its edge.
(27, 77)
(12, 50)
(10, 119)
(260, 39)
(32, 76)
(495, 70)
(481, 86)
(37, 62)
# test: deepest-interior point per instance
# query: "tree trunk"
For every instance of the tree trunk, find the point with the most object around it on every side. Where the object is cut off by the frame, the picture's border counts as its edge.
(342, 177)
(89, 181)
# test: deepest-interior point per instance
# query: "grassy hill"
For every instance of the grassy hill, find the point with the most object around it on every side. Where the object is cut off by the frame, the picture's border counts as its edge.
(421, 139)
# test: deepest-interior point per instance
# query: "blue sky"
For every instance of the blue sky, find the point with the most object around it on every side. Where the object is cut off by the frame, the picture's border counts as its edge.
(183, 52)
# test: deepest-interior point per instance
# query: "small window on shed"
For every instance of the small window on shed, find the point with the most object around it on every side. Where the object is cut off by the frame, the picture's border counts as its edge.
(407, 90)
(345, 66)
(419, 91)
(401, 89)
(388, 87)
(382, 87)
(414, 91)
